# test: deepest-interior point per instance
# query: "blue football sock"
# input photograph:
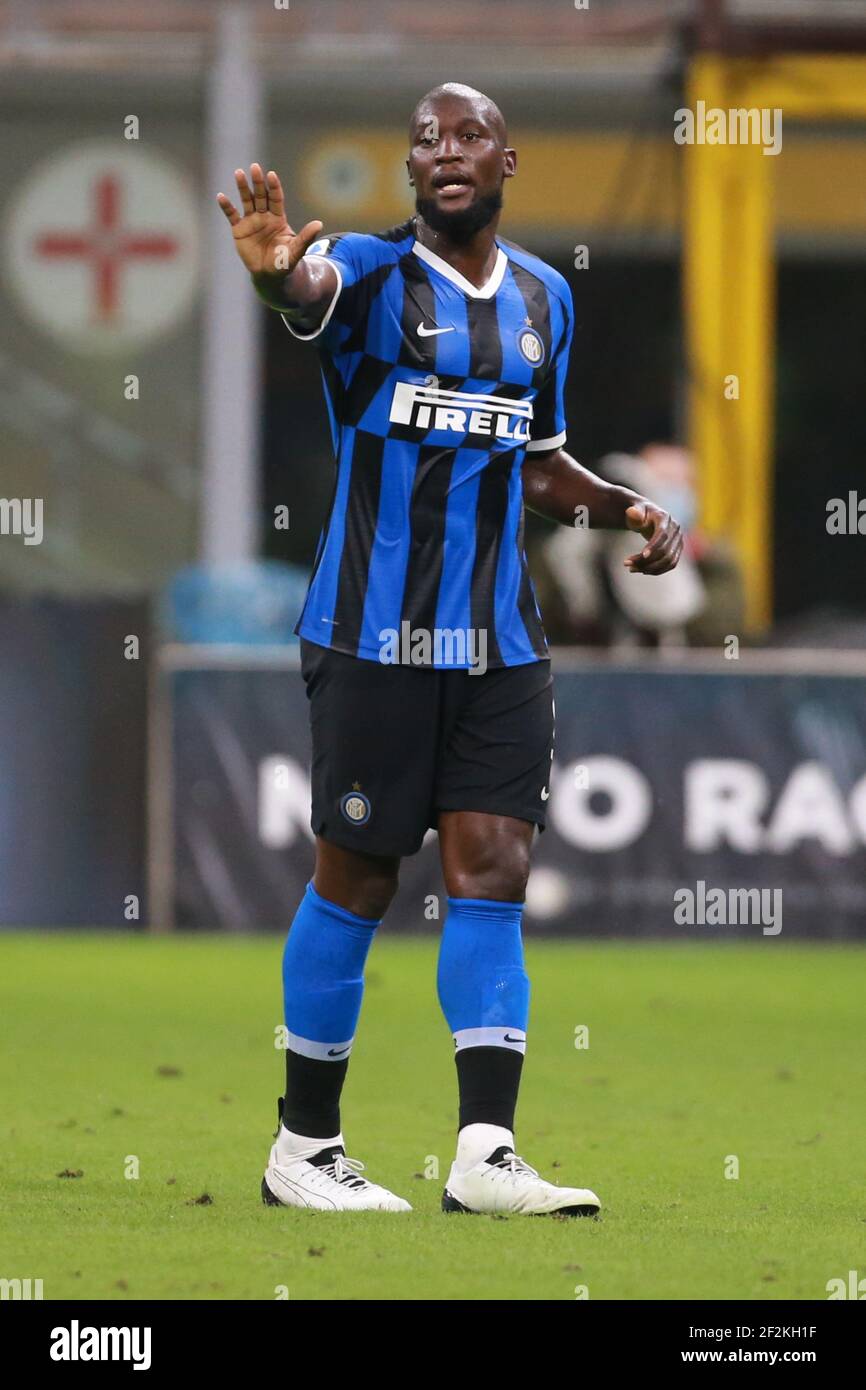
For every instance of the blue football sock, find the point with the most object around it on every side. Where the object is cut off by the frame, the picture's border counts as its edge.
(483, 987)
(484, 993)
(323, 976)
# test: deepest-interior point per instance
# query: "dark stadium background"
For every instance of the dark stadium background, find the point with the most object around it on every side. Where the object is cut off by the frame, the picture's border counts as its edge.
(159, 511)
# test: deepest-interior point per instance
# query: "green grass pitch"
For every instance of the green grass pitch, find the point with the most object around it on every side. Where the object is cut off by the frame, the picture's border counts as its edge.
(159, 1053)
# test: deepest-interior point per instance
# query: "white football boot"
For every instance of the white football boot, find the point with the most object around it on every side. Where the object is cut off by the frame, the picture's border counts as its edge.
(319, 1177)
(503, 1184)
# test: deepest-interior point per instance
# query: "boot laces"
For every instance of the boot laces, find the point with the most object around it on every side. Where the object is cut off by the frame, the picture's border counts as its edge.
(516, 1166)
(345, 1170)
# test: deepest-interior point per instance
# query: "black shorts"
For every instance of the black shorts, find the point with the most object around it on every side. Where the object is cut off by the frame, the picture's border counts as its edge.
(394, 745)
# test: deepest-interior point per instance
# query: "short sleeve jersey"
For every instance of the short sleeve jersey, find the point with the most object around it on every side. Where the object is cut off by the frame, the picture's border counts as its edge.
(436, 390)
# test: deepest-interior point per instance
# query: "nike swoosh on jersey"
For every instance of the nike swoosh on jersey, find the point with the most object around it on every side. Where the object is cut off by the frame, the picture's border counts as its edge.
(431, 332)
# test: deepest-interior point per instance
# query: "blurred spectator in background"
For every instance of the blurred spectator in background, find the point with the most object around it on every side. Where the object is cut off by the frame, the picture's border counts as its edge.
(588, 596)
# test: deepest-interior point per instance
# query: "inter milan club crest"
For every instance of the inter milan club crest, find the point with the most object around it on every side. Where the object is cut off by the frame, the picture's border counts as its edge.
(355, 806)
(530, 344)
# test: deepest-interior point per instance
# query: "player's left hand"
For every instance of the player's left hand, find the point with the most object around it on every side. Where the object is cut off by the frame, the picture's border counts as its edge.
(663, 534)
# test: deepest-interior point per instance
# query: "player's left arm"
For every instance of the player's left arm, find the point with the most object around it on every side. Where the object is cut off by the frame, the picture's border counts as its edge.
(556, 486)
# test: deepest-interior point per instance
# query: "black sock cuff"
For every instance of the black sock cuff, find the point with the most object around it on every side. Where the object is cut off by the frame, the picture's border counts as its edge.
(312, 1101)
(489, 1081)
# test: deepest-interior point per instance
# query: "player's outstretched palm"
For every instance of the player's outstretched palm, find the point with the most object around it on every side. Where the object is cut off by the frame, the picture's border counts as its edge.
(265, 242)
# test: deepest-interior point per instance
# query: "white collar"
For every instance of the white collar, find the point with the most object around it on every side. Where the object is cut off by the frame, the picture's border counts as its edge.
(487, 290)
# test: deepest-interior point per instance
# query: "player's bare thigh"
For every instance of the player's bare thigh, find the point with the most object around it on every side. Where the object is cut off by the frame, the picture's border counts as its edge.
(485, 856)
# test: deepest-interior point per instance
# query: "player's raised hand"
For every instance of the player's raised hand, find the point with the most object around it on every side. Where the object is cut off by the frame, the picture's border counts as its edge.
(265, 242)
(663, 534)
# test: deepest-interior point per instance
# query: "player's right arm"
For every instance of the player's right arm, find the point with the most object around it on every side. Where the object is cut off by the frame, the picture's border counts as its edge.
(274, 254)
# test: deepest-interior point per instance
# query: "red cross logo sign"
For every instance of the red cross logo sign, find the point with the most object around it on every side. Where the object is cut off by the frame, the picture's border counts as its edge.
(106, 245)
(102, 244)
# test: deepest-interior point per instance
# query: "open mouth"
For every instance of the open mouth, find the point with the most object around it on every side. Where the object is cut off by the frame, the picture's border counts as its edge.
(451, 185)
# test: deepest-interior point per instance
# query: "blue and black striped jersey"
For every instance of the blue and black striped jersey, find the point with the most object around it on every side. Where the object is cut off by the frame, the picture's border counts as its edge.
(435, 391)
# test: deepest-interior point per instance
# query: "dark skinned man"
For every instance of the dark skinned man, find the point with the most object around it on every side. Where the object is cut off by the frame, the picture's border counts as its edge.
(444, 351)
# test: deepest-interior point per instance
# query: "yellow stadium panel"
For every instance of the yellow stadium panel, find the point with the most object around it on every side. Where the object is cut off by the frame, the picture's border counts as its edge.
(704, 296)
(729, 275)
(812, 87)
(750, 321)
(570, 183)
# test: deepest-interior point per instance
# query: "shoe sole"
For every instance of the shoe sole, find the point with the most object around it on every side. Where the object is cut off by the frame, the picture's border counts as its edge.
(451, 1204)
(268, 1197)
